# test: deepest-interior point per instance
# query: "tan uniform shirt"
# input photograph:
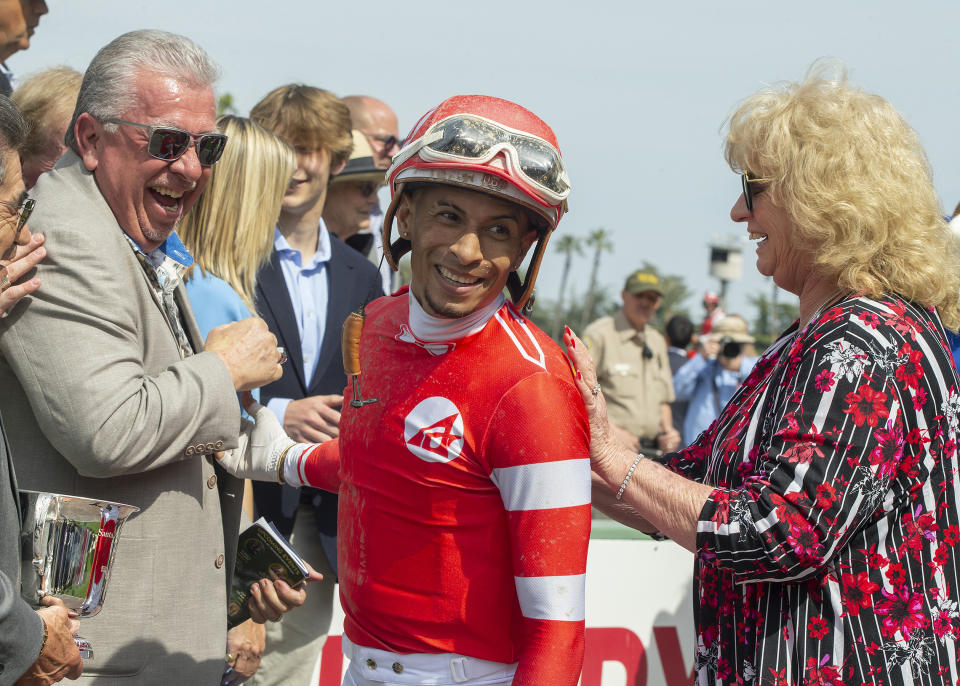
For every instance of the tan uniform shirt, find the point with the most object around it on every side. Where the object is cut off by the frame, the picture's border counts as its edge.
(635, 387)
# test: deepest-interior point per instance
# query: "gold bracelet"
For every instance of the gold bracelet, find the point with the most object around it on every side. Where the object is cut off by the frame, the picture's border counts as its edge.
(43, 643)
(281, 461)
(626, 479)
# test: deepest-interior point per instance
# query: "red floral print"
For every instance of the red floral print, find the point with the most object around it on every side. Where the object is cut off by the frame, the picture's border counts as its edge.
(817, 626)
(910, 370)
(838, 468)
(902, 612)
(857, 592)
(867, 406)
(886, 456)
(826, 495)
(895, 574)
(823, 381)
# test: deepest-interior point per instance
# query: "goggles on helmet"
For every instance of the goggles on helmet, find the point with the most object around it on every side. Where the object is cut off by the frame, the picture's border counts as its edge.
(468, 137)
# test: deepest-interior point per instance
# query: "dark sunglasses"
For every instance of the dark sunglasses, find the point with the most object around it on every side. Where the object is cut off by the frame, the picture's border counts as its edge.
(168, 144)
(368, 188)
(388, 142)
(24, 209)
(748, 194)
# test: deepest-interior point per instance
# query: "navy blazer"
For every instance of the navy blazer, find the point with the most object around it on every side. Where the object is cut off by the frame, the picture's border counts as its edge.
(352, 281)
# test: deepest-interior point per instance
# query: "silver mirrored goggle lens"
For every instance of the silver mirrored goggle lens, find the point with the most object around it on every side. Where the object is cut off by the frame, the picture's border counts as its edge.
(474, 138)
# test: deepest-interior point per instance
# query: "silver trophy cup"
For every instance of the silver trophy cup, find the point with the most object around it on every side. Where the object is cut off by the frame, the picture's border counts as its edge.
(67, 548)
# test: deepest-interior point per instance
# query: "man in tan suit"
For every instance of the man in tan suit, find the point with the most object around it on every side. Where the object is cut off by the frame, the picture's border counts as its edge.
(109, 391)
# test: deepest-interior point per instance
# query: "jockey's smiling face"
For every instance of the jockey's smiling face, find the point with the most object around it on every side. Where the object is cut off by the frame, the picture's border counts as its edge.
(464, 245)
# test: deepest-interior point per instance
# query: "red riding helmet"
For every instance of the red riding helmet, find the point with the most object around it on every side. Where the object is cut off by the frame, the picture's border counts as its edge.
(491, 145)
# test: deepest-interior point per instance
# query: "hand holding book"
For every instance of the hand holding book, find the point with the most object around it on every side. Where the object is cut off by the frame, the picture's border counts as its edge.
(269, 576)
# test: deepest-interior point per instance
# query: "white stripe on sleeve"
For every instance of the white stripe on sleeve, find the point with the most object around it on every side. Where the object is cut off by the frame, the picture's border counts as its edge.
(559, 598)
(544, 485)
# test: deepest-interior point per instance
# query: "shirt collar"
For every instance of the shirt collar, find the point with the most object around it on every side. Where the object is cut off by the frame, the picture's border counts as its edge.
(172, 248)
(321, 256)
(625, 329)
(170, 260)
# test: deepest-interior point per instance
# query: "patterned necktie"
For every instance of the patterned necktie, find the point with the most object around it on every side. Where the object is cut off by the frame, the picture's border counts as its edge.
(165, 280)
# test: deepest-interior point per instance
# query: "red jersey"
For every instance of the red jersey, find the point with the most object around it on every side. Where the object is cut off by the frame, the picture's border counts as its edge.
(464, 496)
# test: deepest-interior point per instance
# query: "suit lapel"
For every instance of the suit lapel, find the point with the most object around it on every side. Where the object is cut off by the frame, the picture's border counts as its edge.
(189, 321)
(273, 296)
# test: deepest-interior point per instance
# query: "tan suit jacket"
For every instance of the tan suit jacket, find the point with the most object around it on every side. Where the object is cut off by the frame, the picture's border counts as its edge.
(98, 403)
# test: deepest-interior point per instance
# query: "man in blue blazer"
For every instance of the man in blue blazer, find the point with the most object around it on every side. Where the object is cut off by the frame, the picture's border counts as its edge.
(306, 291)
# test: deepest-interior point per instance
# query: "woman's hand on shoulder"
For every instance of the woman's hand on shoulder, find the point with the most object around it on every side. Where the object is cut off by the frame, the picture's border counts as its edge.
(25, 258)
(604, 448)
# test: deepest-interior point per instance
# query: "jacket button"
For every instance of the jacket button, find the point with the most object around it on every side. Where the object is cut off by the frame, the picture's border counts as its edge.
(198, 448)
(371, 663)
(212, 481)
(398, 668)
(189, 450)
(218, 445)
(219, 561)
(209, 447)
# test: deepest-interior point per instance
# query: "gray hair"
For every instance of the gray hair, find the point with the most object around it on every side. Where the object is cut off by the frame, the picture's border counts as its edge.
(108, 88)
(13, 130)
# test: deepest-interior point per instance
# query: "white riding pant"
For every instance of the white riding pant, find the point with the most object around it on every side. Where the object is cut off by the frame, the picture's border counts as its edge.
(372, 667)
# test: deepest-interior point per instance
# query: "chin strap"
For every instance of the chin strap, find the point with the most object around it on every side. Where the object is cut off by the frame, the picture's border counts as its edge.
(521, 292)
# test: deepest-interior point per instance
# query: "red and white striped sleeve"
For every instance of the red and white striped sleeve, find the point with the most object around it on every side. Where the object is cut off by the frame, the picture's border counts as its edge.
(316, 465)
(537, 446)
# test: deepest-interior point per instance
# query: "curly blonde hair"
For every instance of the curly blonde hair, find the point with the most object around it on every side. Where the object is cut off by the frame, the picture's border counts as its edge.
(852, 176)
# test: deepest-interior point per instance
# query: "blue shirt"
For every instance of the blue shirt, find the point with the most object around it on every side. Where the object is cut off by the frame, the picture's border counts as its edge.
(214, 302)
(703, 382)
(307, 287)
(953, 340)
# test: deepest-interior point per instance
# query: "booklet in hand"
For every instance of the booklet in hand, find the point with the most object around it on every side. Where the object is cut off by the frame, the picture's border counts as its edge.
(262, 553)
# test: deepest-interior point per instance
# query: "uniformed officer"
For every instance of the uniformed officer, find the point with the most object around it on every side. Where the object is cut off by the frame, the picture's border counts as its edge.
(633, 368)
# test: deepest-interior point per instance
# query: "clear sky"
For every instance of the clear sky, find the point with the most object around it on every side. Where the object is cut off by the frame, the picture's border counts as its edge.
(636, 91)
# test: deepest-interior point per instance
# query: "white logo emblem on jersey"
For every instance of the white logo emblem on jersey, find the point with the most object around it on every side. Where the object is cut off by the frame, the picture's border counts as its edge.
(433, 430)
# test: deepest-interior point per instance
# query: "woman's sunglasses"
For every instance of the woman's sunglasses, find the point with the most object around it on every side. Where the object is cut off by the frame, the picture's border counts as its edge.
(748, 194)
(168, 144)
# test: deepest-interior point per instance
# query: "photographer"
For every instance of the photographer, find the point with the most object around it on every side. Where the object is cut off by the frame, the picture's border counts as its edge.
(713, 375)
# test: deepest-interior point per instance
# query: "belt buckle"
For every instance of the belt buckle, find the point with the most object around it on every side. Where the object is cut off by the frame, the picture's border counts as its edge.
(458, 669)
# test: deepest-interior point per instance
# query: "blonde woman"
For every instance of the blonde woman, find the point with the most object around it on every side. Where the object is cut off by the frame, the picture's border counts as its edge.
(229, 231)
(822, 504)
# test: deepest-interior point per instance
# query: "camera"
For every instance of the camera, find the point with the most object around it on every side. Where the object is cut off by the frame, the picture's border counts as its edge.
(730, 348)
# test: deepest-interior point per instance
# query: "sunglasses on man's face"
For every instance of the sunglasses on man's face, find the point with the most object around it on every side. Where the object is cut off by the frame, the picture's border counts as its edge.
(388, 142)
(168, 144)
(368, 188)
(748, 192)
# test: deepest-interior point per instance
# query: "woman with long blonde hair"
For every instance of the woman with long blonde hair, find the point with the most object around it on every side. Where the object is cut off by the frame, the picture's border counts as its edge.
(229, 231)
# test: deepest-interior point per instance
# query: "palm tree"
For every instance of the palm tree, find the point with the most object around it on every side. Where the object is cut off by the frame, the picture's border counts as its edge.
(225, 105)
(599, 240)
(567, 246)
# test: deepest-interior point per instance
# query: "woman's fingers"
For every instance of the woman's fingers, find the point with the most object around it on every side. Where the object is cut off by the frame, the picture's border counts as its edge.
(585, 371)
(602, 442)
